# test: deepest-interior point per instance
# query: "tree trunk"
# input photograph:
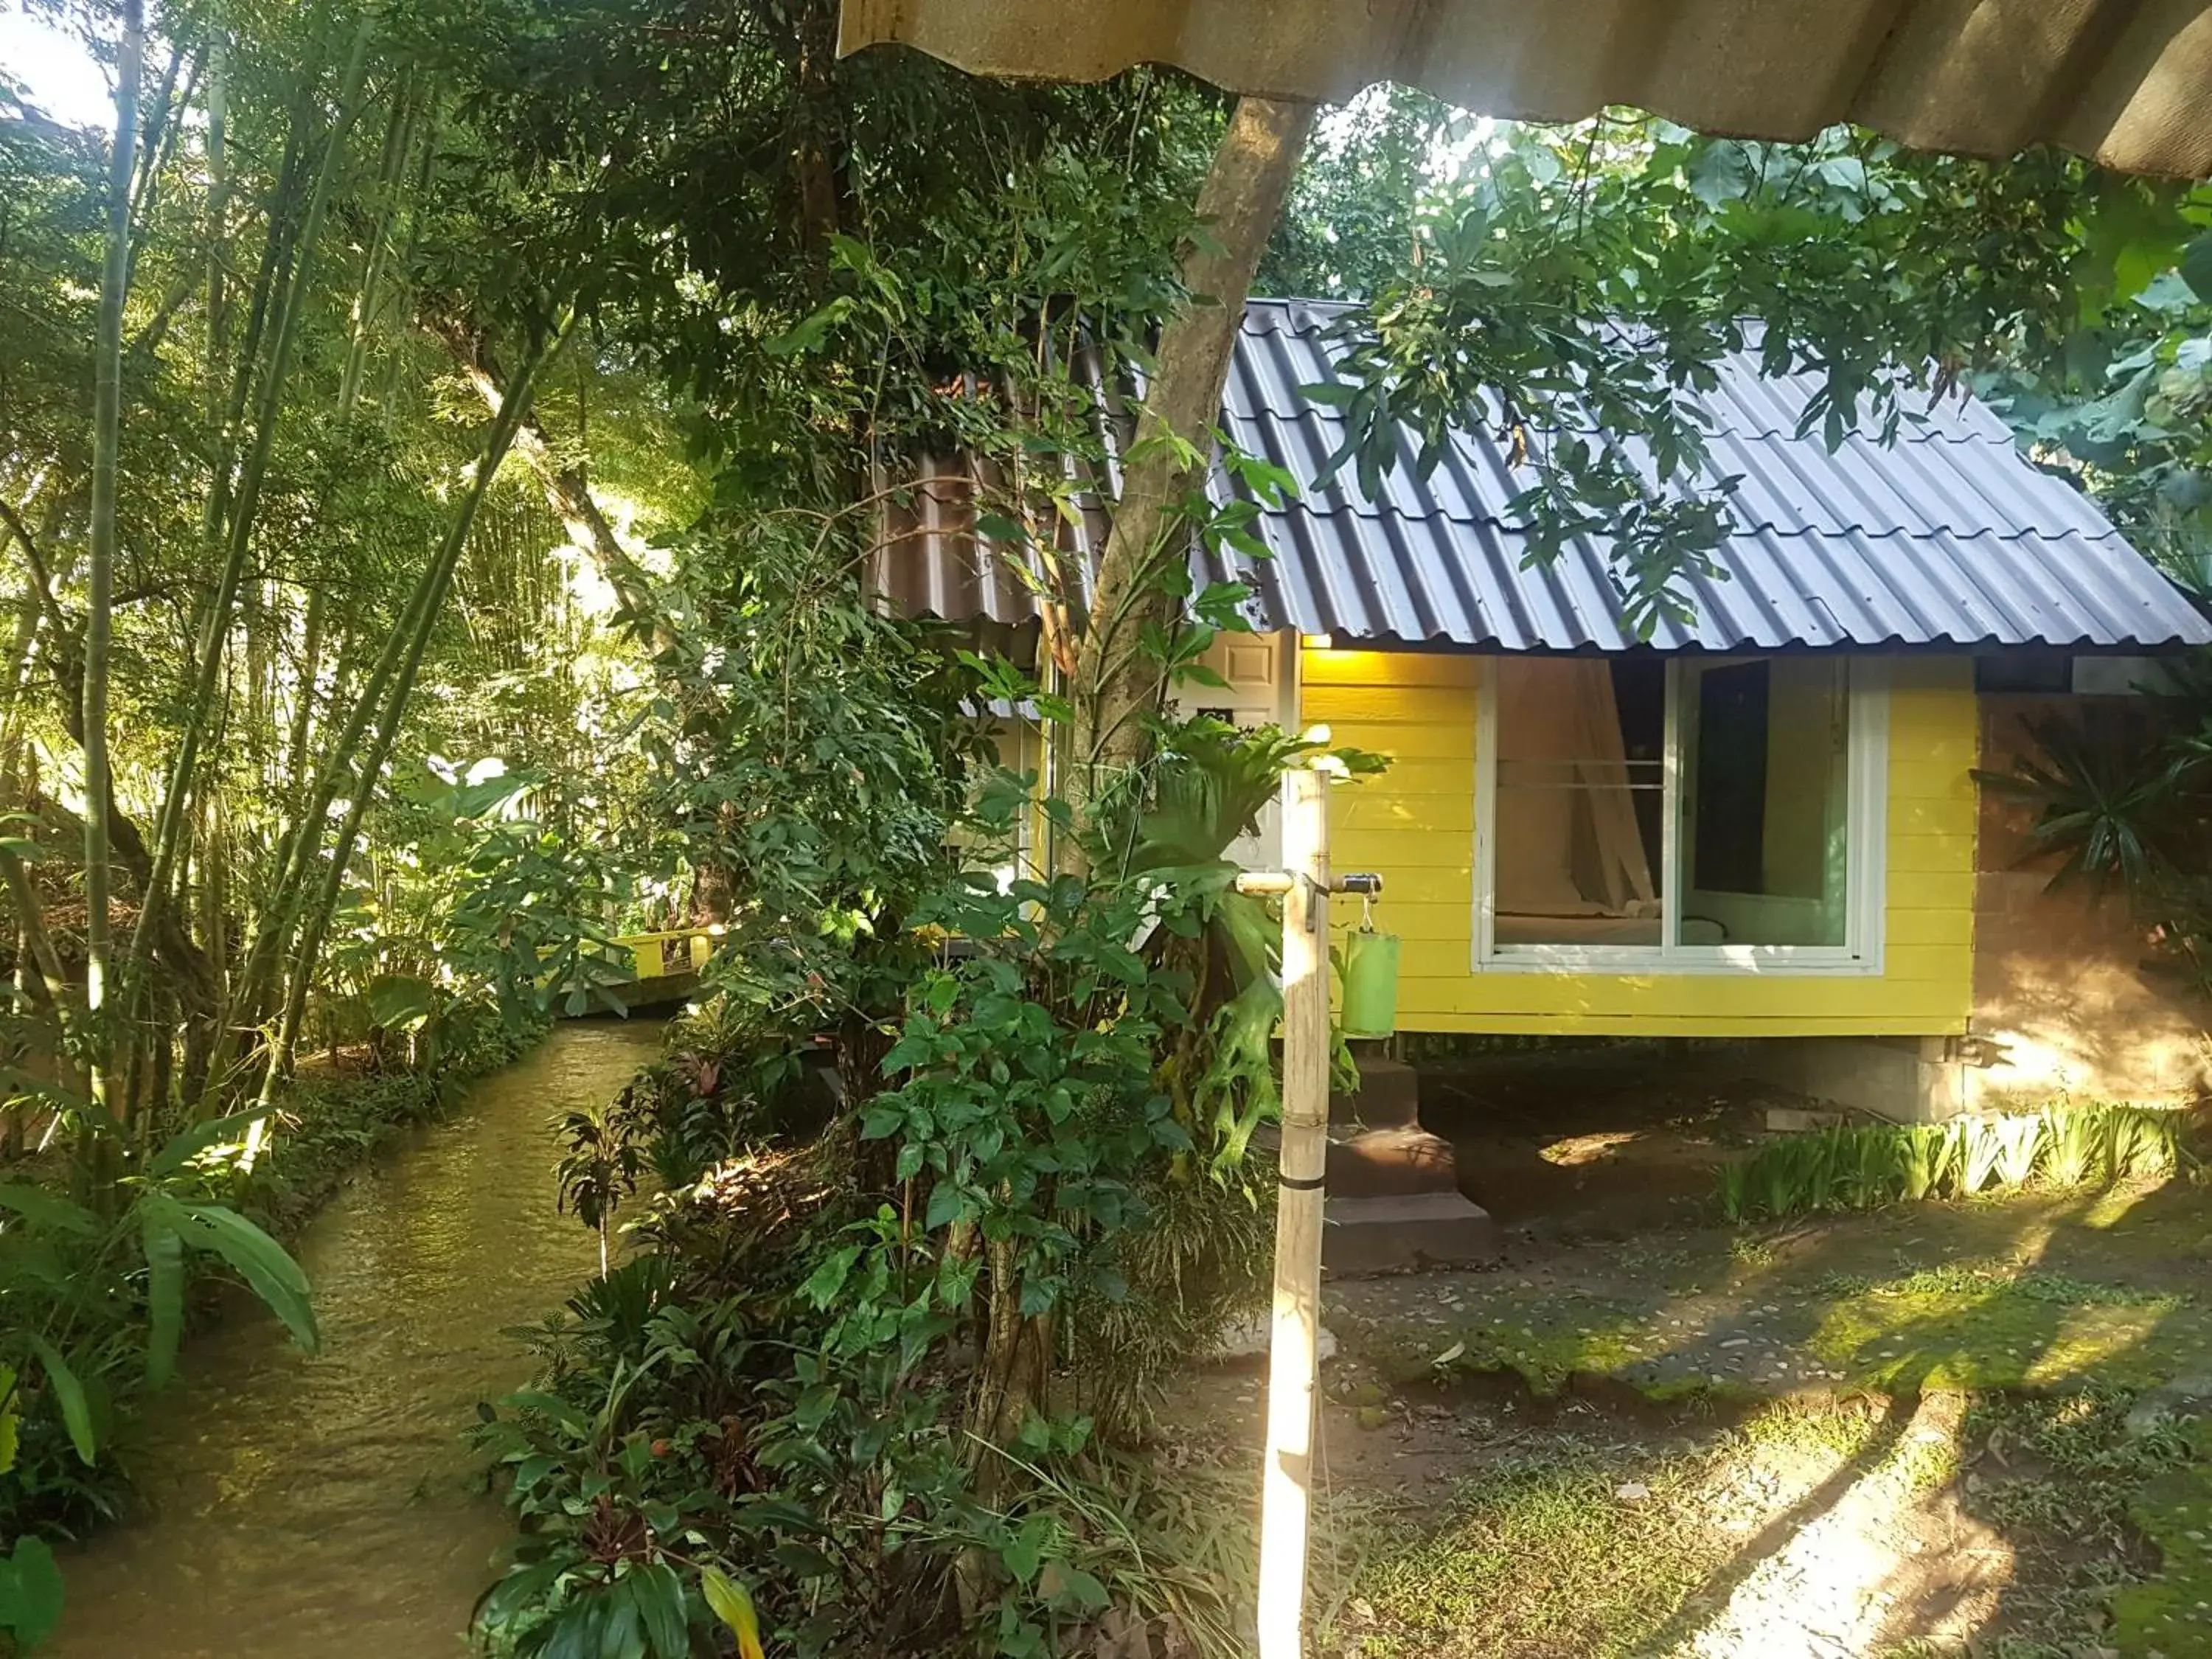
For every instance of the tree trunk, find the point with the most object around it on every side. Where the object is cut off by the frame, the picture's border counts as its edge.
(567, 490)
(1115, 681)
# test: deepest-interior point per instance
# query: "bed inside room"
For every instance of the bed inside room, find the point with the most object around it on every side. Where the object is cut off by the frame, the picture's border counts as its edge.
(1605, 812)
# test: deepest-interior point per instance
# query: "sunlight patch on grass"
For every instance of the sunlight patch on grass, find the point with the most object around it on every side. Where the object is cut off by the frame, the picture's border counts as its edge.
(2172, 1614)
(1575, 1548)
(1969, 1326)
(2110, 1208)
(2095, 1341)
(1827, 1588)
(1541, 1559)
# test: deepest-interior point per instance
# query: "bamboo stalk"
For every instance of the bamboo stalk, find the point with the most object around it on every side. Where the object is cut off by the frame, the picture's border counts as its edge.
(1294, 1351)
(398, 135)
(168, 832)
(106, 441)
(302, 839)
(310, 674)
(430, 592)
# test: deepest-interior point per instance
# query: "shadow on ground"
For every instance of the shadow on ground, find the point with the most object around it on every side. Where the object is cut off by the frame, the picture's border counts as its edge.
(1896, 1433)
(1611, 1138)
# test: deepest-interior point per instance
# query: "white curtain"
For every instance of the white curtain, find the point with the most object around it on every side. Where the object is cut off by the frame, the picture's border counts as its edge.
(1568, 843)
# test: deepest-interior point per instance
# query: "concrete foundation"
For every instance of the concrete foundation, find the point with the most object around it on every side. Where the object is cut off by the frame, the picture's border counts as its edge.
(1906, 1080)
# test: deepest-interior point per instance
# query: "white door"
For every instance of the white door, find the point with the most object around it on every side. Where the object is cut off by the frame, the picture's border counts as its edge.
(1262, 691)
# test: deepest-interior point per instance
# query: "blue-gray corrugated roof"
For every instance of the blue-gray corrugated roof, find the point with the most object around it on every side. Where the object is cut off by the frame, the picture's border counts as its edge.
(1948, 536)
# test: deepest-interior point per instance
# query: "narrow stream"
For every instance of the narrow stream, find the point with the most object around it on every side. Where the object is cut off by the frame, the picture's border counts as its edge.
(313, 1508)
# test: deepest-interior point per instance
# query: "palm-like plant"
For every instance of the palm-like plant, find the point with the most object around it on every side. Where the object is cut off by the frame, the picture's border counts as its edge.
(92, 1306)
(2108, 802)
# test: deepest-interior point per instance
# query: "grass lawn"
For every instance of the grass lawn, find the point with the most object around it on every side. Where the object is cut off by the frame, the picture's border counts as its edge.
(1928, 1431)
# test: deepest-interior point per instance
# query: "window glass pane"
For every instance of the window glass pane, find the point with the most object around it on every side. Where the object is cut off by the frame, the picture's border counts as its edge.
(1765, 755)
(1579, 807)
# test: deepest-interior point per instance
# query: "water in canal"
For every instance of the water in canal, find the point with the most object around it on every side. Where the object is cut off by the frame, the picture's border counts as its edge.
(313, 1508)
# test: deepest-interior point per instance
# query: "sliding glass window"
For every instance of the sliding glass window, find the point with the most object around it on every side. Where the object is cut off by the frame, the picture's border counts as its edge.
(1723, 812)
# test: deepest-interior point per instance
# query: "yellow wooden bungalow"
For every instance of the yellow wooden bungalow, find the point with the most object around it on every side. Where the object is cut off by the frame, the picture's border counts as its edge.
(1759, 823)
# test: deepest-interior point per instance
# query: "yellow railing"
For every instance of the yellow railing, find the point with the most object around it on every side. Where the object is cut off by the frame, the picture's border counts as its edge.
(657, 955)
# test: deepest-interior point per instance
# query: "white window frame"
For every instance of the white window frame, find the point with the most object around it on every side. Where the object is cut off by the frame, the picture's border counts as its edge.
(1865, 854)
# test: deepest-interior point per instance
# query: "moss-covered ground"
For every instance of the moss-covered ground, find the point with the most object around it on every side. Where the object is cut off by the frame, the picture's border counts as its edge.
(2041, 1291)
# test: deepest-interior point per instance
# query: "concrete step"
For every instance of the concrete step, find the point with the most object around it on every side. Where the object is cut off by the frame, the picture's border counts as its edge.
(1388, 1096)
(1386, 1162)
(1378, 1234)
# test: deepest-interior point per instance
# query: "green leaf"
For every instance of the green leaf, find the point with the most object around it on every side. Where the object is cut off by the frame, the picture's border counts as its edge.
(823, 1284)
(44, 1209)
(2196, 266)
(624, 1636)
(809, 333)
(1025, 1552)
(11, 1420)
(164, 1297)
(946, 1204)
(1328, 394)
(659, 1595)
(802, 1560)
(32, 1593)
(532, 1470)
(69, 1393)
(534, 1399)
(400, 1001)
(1063, 1586)
(181, 1150)
(731, 1603)
(260, 1260)
(1722, 172)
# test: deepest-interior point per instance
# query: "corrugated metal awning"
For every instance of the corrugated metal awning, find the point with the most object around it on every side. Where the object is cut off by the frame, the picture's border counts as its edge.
(1947, 537)
(2128, 81)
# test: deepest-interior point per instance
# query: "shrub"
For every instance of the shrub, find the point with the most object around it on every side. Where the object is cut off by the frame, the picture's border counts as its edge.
(1863, 1166)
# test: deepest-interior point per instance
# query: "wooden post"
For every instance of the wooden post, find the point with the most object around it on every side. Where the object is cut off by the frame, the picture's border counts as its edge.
(1294, 1351)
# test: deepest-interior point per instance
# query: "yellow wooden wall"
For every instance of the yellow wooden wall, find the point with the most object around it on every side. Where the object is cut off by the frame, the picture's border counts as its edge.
(1415, 825)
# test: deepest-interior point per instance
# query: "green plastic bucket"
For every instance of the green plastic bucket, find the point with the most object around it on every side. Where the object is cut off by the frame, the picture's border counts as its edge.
(1370, 984)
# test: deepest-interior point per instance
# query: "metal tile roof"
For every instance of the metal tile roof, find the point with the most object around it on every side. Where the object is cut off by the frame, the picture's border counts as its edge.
(1947, 537)
(2124, 81)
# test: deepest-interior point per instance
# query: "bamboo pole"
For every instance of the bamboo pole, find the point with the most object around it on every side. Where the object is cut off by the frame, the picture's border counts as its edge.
(415, 629)
(1293, 1350)
(245, 507)
(107, 441)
